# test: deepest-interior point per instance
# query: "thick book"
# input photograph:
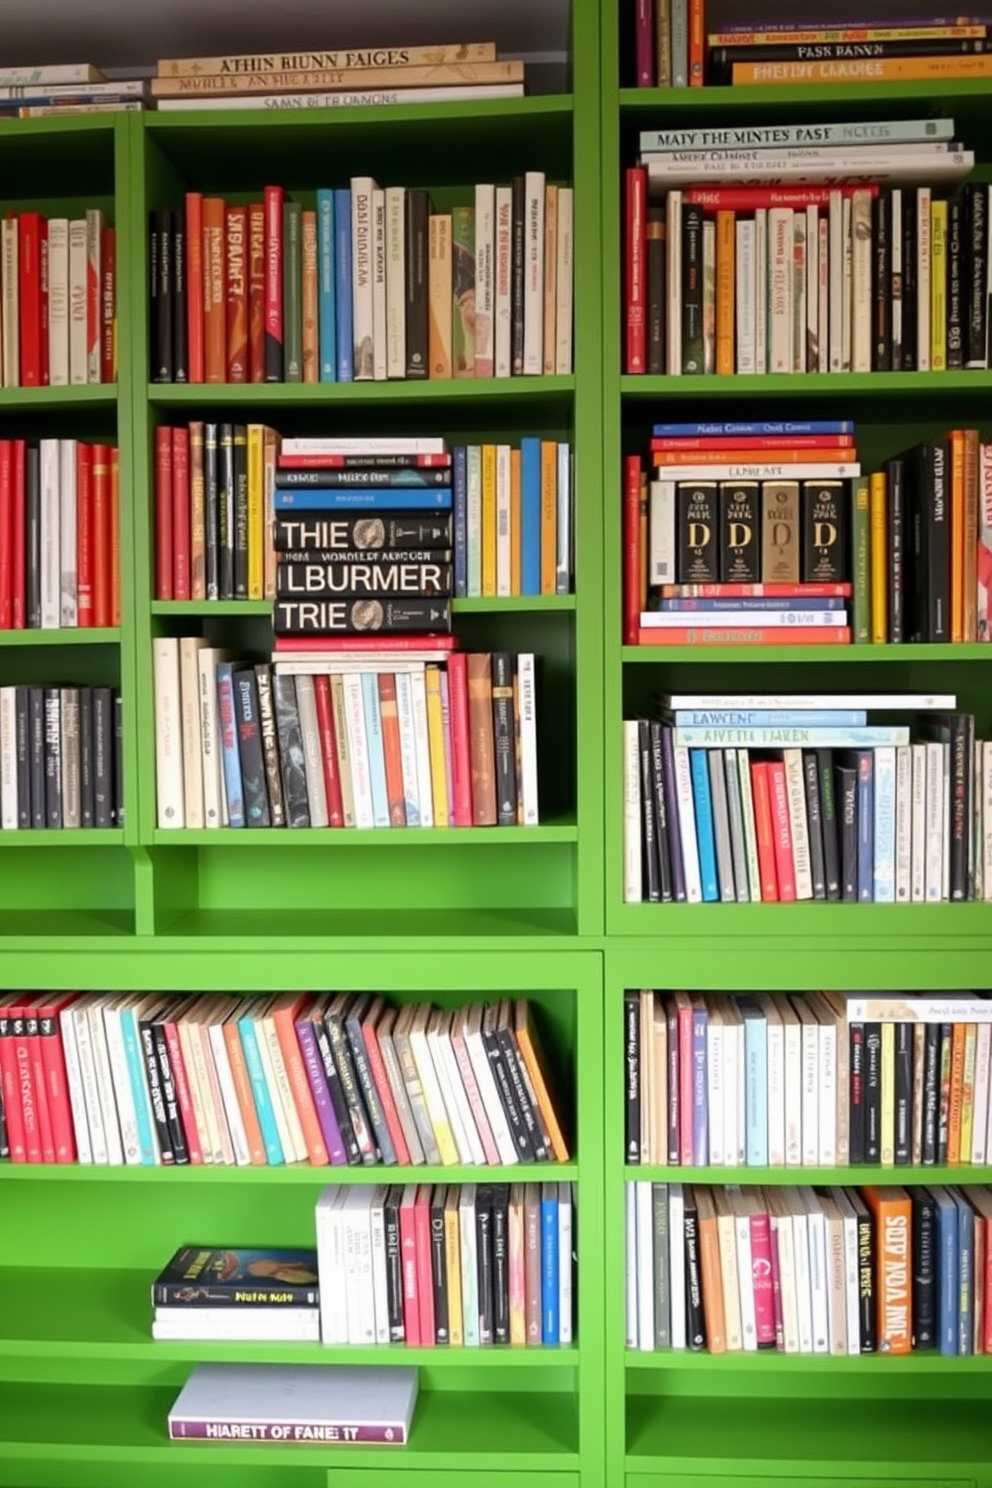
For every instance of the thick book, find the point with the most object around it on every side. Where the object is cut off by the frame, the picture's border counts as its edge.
(206, 1276)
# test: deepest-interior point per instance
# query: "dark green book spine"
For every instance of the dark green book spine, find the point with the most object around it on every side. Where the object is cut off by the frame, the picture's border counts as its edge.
(292, 291)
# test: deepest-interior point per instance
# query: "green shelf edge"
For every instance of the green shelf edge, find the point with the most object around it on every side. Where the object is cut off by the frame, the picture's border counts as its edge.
(321, 394)
(767, 1361)
(837, 1177)
(102, 636)
(263, 1175)
(860, 655)
(57, 399)
(838, 386)
(71, 837)
(346, 838)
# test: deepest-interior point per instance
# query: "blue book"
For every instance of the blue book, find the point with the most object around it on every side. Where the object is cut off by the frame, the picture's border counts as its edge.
(342, 282)
(368, 498)
(229, 744)
(700, 1100)
(530, 516)
(884, 872)
(549, 1263)
(756, 430)
(966, 1273)
(763, 718)
(326, 310)
(756, 604)
(459, 501)
(947, 1270)
(147, 1144)
(755, 1083)
(376, 750)
(260, 1091)
(703, 809)
(865, 812)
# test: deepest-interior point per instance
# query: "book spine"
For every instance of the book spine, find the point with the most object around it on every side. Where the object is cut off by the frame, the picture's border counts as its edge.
(273, 342)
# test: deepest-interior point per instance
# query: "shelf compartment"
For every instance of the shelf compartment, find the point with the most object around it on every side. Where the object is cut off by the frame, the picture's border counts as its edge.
(102, 636)
(349, 837)
(845, 655)
(276, 395)
(456, 929)
(951, 925)
(87, 892)
(773, 1363)
(101, 395)
(790, 1177)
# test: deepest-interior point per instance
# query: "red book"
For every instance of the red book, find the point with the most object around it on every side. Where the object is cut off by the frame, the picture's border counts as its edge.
(644, 43)
(54, 1075)
(195, 297)
(761, 1271)
(18, 580)
(32, 228)
(684, 1004)
(25, 1082)
(272, 359)
(102, 604)
(633, 558)
(425, 1279)
(755, 591)
(785, 871)
(380, 1079)
(6, 533)
(461, 760)
(38, 1083)
(181, 539)
(391, 749)
(84, 536)
(352, 462)
(12, 1108)
(756, 442)
(328, 750)
(237, 294)
(115, 536)
(163, 513)
(764, 831)
(256, 292)
(184, 1098)
(333, 644)
(746, 198)
(108, 305)
(635, 264)
(697, 42)
(758, 635)
(408, 1263)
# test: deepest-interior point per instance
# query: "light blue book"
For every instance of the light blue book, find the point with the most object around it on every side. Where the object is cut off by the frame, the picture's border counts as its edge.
(342, 283)
(376, 750)
(703, 806)
(865, 812)
(326, 309)
(757, 430)
(229, 744)
(966, 1273)
(755, 1083)
(549, 1263)
(147, 1144)
(530, 516)
(873, 737)
(369, 498)
(947, 1270)
(404, 709)
(459, 501)
(884, 875)
(763, 718)
(260, 1091)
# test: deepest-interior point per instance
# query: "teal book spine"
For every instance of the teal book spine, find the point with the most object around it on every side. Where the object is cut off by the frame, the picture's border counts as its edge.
(530, 516)
(260, 1090)
(884, 874)
(326, 303)
(136, 1073)
(703, 804)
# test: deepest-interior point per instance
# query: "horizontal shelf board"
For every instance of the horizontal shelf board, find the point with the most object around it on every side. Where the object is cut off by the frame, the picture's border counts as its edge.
(740, 101)
(339, 837)
(211, 607)
(835, 385)
(386, 928)
(54, 124)
(832, 1177)
(951, 922)
(861, 655)
(64, 837)
(462, 1428)
(286, 121)
(71, 636)
(43, 399)
(293, 1173)
(513, 604)
(508, 605)
(772, 1362)
(307, 395)
(22, 929)
(68, 1313)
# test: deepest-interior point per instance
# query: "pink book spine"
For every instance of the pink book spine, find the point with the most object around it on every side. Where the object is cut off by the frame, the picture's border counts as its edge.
(776, 1284)
(685, 1087)
(474, 1098)
(425, 1283)
(41, 1094)
(644, 43)
(408, 1259)
(183, 1095)
(784, 865)
(458, 715)
(762, 1277)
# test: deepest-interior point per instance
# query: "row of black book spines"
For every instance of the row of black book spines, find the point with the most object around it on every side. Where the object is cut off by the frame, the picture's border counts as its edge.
(68, 757)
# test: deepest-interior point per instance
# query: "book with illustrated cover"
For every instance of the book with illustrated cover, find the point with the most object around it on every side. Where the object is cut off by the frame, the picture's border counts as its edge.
(205, 1276)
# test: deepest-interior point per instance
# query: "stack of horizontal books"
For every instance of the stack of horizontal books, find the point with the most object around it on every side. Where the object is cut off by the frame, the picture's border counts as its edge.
(206, 1294)
(67, 88)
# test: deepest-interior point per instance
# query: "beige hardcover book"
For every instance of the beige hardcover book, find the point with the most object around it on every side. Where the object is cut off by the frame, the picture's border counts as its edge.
(362, 191)
(810, 1066)
(308, 224)
(9, 268)
(439, 297)
(861, 281)
(833, 1033)
(78, 348)
(94, 282)
(793, 1045)
(211, 1009)
(836, 1275)
(727, 1240)
(783, 1239)
(835, 1003)
(534, 215)
(659, 1100)
(411, 1079)
(58, 301)
(281, 1090)
(379, 335)
(355, 58)
(780, 532)
(189, 706)
(431, 1087)
(517, 1268)
(719, 1059)
(196, 1074)
(221, 1009)
(168, 733)
(327, 79)
(485, 278)
(550, 276)
(395, 282)
(564, 280)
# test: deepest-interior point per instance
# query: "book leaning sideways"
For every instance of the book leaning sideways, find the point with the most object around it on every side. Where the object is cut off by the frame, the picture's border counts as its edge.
(287, 1403)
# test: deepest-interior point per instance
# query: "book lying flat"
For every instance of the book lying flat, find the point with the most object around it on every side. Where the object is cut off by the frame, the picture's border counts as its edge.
(206, 1276)
(251, 1325)
(317, 1403)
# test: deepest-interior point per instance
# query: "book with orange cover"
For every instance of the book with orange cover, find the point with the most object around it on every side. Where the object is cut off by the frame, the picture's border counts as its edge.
(958, 1034)
(892, 1213)
(549, 513)
(481, 748)
(528, 1042)
(214, 287)
(391, 749)
(283, 1013)
(709, 1260)
(242, 1086)
(726, 229)
(236, 287)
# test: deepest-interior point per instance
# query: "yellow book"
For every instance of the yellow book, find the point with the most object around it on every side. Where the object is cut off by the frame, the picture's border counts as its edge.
(879, 559)
(256, 511)
(435, 740)
(344, 755)
(968, 1090)
(515, 549)
(439, 298)
(270, 450)
(888, 1121)
(938, 286)
(453, 1266)
(725, 246)
(549, 513)
(861, 70)
(488, 534)
(516, 1268)
(956, 442)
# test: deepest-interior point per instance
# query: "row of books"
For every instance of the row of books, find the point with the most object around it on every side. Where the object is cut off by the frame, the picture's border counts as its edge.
(783, 810)
(58, 300)
(368, 284)
(330, 1078)
(362, 739)
(61, 758)
(59, 535)
(796, 277)
(809, 1271)
(811, 1080)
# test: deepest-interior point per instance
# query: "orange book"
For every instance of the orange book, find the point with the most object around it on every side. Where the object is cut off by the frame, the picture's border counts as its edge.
(972, 475)
(515, 548)
(550, 275)
(957, 536)
(534, 1063)
(283, 1013)
(439, 297)
(865, 70)
(236, 282)
(195, 297)
(115, 536)
(891, 1210)
(549, 513)
(745, 456)
(726, 231)
(478, 666)
(102, 530)
(709, 1263)
(697, 42)
(256, 292)
(391, 749)
(958, 1034)
(878, 563)
(750, 635)
(214, 284)
(308, 222)
(242, 1088)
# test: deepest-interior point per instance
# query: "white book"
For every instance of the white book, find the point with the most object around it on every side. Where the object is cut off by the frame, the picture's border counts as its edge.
(379, 336)
(395, 282)
(361, 445)
(918, 859)
(104, 1079)
(470, 1266)
(687, 826)
(631, 1337)
(884, 797)
(51, 546)
(735, 1018)
(565, 279)
(816, 1232)
(714, 1083)
(673, 252)
(812, 288)
(68, 572)
(78, 268)
(225, 1078)
(445, 1049)
(367, 661)
(121, 1080)
(58, 301)
(750, 829)
(799, 274)
(895, 275)
(852, 1288)
(709, 295)
(795, 787)
(934, 822)
(811, 165)
(827, 470)
(676, 1262)
(33, 78)
(502, 286)
(253, 1325)
(360, 1299)
(438, 1049)
(745, 1282)
(923, 203)
(983, 1082)
(418, 700)
(534, 190)
(761, 290)
(800, 1248)
(563, 520)
(214, 803)
(661, 532)
(633, 887)
(8, 759)
(861, 281)
(730, 619)
(527, 703)
(306, 703)
(775, 1057)
(189, 703)
(202, 1014)
(836, 249)
(408, 748)
(377, 1241)
(744, 295)
(330, 1266)
(74, 1084)
(810, 1035)
(780, 289)
(847, 287)
(94, 267)
(702, 702)
(894, 1007)
(362, 254)
(945, 840)
(904, 824)
(87, 1069)
(485, 278)
(645, 1267)
(503, 553)
(793, 1036)
(823, 296)
(732, 1079)
(10, 302)
(484, 1078)
(168, 733)
(431, 1087)
(828, 1060)
(342, 98)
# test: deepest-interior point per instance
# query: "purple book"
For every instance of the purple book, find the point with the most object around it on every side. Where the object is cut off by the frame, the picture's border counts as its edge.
(700, 1131)
(672, 812)
(314, 1066)
(672, 1019)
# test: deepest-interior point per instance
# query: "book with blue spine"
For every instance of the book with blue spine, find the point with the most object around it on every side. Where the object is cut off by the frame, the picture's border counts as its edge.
(549, 1263)
(530, 516)
(755, 430)
(327, 336)
(768, 718)
(260, 1090)
(947, 1270)
(136, 1074)
(229, 744)
(459, 500)
(755, 1082)
(756, 605)
(376, 751)
(369, 498)
(884, 872)
(342, 283)
(966, 1273)
(874, 736)
(700, 775)
(700, 1091)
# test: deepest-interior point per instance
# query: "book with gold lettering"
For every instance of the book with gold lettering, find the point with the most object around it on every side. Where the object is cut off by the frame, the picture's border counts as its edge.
(208, 1276)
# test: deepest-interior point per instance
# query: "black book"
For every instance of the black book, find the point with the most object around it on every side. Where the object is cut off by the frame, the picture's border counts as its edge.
(944, 1092)
(364, 532)
(32, 536)
(847, 802)
(292, 763)
(662, 834)
(154, 296)
(53, 757)
(417, 213)
(931, 1093)
(334, 1017)
(153, 1074)
(856, 1093)
(359, 614)
(657, 307)
(103, 757)
(225, 508)
(824, 544)
(394, 1266)
(814, 821)
(501, 1263)
(87, 778)
(36, 754)
(632, 1077)
(164, 370)
(22, 751)
(239, 470)
(956, 277)
(270, 747)
(828, 823)
(504, 739)
(117, 759)
(924, 1289)
(484, 1259)
(904, 1093)
(170, 1095)
(910, 281)
(934, 553)
(740, 525)
(649, 846)
(211, 511)
(976, 289)
(868, 1326)
(354, 1019)
(439, 1265)
(69, 728)
(246, 722)
(523, 1097)
(518, 212)
(292, 298)
(721, 59)
(873, 1093)
(881, 341)
(697, 553)
(695, 1329)
(504, 1087)
(692, 290)
(335, 1089)
(896, 524)
(180, 330)
(896, 279)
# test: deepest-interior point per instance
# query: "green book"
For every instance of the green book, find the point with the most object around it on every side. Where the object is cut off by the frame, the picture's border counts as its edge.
(463, 291)
(861, 566)
(292, 291)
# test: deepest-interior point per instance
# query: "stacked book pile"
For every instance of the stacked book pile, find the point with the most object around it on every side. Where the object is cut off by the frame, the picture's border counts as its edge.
(61, 760)
(777, 799)
(363, 283)
(206, 1294)
(425, 1265)
(67, 88)
(58, 300)
(59, 535)
(809, 1271)
(818, 1080)
(335, 1079)
(806, 248)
